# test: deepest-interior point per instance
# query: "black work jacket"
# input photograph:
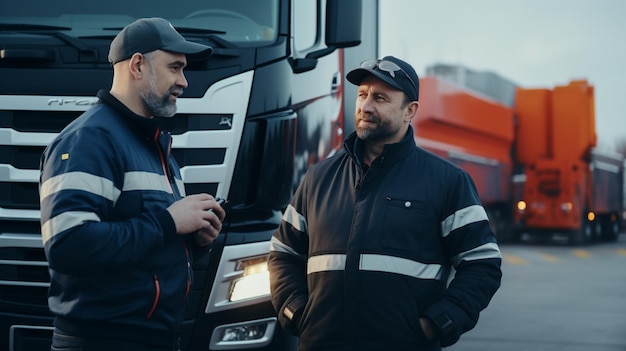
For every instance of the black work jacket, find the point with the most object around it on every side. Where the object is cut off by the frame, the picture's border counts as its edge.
(362, 254)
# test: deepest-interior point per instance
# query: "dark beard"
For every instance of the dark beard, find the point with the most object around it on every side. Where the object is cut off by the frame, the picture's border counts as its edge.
(383, 131)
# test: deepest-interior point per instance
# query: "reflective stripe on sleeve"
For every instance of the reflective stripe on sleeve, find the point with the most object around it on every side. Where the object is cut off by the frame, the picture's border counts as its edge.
(102, 186)
(294, 218)
(65, 221)
(463, 217)
(486, 251)
(277, 245)
(145, 181)
(80, 181)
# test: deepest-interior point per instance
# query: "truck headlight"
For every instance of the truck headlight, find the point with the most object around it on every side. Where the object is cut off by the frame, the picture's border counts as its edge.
(255, 281)
(242, 278)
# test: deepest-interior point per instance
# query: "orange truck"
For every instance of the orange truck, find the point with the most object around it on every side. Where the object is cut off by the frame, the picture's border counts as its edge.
(570, 186)
(532, 156)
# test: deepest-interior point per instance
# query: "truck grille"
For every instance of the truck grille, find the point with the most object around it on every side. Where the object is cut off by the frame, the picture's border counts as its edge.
(201, 142)
(24, 279)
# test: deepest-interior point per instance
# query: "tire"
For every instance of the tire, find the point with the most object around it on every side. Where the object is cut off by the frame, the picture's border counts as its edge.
(610, 229)
(596, 225)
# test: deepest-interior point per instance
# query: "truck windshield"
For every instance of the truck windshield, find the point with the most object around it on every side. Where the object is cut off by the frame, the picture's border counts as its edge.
(243, 22)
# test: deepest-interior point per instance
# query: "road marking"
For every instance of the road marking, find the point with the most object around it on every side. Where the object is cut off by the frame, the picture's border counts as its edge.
(581, 253)
(621, 252)
(512, 259)
(551, 258)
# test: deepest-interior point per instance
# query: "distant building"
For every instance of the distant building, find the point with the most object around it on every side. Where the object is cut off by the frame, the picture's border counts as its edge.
(486, 83)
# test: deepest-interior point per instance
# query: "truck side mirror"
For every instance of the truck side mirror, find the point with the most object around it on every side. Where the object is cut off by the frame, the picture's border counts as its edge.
(343, 23)
(343, 29)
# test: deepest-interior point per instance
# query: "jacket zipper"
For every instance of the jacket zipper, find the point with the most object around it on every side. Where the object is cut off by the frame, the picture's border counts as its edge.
(164, 161)
(157, 294)
(164, 155)
(188, 271)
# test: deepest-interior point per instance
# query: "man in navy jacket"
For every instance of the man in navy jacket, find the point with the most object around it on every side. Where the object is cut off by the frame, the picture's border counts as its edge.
(117, 228)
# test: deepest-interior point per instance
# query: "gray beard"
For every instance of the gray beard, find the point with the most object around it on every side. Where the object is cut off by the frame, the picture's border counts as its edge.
(158, 106)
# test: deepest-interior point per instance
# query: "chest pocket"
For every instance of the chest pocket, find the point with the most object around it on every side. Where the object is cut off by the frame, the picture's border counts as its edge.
(409, 226)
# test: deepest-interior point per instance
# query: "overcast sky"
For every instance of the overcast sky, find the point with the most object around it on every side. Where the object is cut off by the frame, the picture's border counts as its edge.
(534, 43)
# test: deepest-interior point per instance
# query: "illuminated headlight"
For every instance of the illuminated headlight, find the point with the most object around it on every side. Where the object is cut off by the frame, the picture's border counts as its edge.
(521, 205)
(242, 278)
(255, 281)
(250, 334)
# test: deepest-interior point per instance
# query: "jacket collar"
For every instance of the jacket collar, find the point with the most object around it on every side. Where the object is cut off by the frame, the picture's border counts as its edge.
(391, 152)
(145, 126)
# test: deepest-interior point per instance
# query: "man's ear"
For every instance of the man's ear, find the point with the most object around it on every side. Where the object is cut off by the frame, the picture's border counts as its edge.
(411, 111)
(135, 65)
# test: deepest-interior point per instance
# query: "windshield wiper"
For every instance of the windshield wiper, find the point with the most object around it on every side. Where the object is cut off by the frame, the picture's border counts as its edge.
(29, 27)
(192, 30)
(48, 30)
(208, 33)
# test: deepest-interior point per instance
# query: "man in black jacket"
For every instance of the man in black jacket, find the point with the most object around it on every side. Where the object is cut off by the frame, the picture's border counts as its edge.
(362, 258)
(117, 228)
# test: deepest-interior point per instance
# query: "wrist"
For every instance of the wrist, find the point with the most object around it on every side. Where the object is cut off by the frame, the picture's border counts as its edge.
(428, 328)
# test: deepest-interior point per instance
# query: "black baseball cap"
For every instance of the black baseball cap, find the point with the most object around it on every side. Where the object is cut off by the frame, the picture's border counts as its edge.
(390, 70)
(150, 34)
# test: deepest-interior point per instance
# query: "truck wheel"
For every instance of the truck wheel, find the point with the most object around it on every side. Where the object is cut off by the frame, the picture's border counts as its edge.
(596, 235)
(610, 229)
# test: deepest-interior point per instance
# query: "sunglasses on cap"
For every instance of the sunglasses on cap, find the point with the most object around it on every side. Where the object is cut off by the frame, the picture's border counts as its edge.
(386, 66)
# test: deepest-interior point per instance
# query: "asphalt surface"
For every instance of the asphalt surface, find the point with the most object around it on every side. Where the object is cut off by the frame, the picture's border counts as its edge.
(555, 297)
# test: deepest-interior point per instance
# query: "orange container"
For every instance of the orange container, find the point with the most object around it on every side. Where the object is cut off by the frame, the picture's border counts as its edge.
(471, 130)
(573, 121)
(533, 111)
(471, 123)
